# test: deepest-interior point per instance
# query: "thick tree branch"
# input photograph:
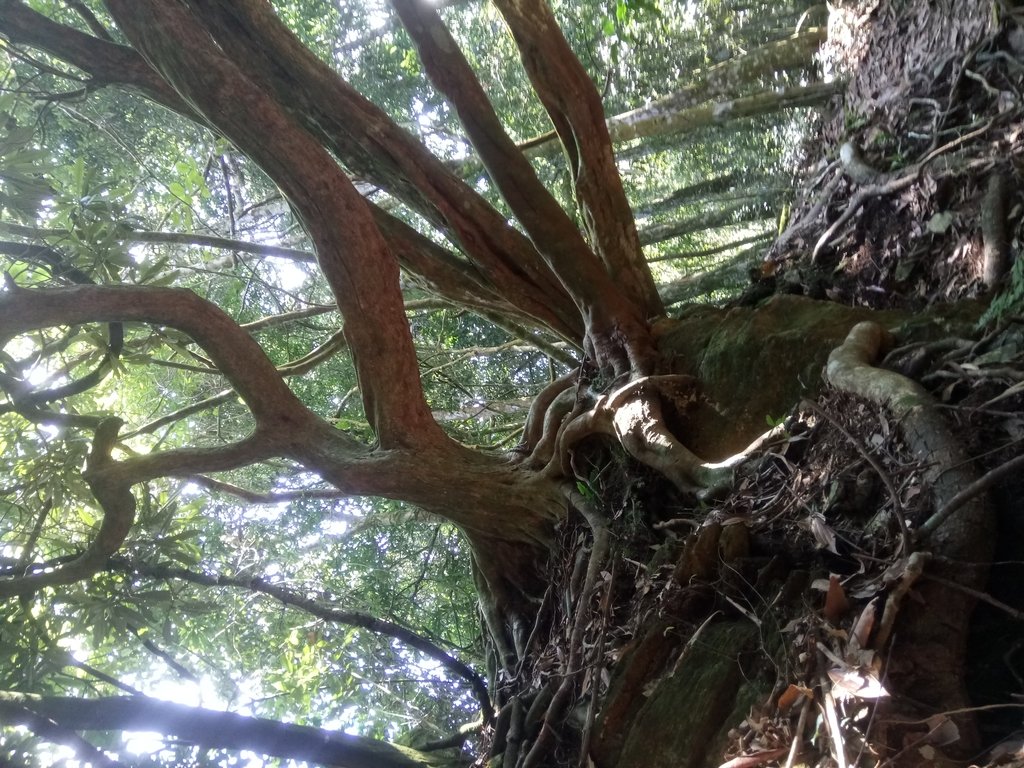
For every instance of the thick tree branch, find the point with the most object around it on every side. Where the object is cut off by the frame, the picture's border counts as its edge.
(478, 227)
(730, 77)
(28, 402)
(556, 237)
(574, 106)
(232, 350)
(435, 269)
(372, 146)
(442, 273)
(282, 420)
(212, 729)
(651, 121)
(550, 228)
(47, 729)
(710, 218)
(104, 61)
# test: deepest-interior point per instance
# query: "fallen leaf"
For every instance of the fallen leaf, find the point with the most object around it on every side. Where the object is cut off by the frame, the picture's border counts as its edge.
(836, 602)
(790, 696)
(865, 623)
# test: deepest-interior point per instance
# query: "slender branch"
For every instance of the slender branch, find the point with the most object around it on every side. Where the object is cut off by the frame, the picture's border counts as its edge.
(71, 661)
(256, 497)
(273, 321)
(118, 504)
(224, 396)
(173, 238)
(164, 656)
(978, 487)
(297, 367)
(111, 482)
(90, 20)
(759, 238)
(209, 241)
(708, 219)
(439, 271)
(727, 78)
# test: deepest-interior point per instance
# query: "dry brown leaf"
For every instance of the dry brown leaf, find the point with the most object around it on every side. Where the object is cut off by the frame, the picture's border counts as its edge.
(791, 695)
(836, 602)
(942, 730)
(823, 535)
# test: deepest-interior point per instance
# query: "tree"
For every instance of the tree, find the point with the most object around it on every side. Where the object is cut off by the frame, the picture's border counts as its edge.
(580, 289)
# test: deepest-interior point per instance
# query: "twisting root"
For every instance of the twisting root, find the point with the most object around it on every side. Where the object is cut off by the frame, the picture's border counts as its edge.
(632, 414)
(948, 469)
(937, 624)
(537, 418)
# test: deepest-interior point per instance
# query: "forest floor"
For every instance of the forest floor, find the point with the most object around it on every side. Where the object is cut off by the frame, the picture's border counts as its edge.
(909, 200)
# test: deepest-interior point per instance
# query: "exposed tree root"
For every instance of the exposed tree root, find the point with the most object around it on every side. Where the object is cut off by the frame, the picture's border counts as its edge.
(927, 662)
(633, 415)
(995, 228)
(948, 468)
(547, 698)
(565, 694)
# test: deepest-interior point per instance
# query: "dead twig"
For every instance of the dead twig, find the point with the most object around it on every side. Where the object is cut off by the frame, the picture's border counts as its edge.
(911, 572)
(798, 734)
(892, 185)
(979, 595)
